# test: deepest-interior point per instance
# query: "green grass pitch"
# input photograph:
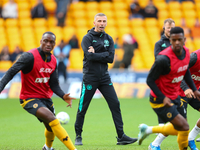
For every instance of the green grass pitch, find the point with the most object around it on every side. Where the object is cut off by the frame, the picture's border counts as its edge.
(20, 130)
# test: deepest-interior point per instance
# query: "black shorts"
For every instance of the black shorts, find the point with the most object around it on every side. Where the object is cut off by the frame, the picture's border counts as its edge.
(193, 102)
(31, 105)
(168, 113)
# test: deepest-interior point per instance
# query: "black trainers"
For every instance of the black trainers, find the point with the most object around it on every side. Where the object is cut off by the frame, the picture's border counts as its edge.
(125, 140)
(78, 140)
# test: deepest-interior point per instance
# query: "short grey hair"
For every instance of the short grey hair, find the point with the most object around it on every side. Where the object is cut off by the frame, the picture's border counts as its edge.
(99, 14)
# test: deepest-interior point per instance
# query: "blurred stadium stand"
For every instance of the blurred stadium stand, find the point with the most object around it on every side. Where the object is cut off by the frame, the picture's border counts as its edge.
(26, 32)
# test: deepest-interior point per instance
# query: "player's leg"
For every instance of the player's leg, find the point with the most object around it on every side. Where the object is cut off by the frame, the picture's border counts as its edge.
(49, 118)
(178, 125)
(155, 145)
(110, 95)
(87, 92)
(49, 137)
(43, 110)
(196, 129)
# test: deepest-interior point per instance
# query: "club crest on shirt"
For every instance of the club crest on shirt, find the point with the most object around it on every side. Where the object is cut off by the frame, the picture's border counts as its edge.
(106, 43)
(182, 68)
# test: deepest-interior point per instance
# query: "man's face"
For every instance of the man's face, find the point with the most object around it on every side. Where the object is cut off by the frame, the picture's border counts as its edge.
(47, 43)
(177, 40)
(167, 28)
(100, 23)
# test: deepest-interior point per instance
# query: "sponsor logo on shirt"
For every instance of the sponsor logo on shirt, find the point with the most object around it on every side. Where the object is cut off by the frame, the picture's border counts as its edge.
(177, 79)
(183, 68)
(194, 77)
(46, 70)
(42, 80)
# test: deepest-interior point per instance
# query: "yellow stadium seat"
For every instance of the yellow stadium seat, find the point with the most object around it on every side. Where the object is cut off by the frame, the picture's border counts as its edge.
(39, 31)
(175, 13)
(24, 14)
(137, 22)
(58, 31)
(20, 1)
(189, 44)
(105, 5)
(50, 6)
(161, 22)
(163, 14)
(196, 42)
(111, 22)
(124, 30)
(150, 22)
(174, 5)
(5, 65)
(23, 5)
(112, 32)
(11, 31)
(1, 22)
(122, 22)
(119, 6)
(197, 5)
(91, 5)
(24, 22)
(82, 22)
(121, 14)
(76, 59)
(190, 22)
(109, 14)
(28, 38)
(77, 6)
(27, 30)
(80, 32)
(189, 13)
(90, 23)
(68, 32)
(11, 22)
(119, 53)
(32, 3)
(39, 22)
(3, 42)
(52, 21)
(187, 5)
(153, 30)
(143, 3)
(137, 62)
(69, 21)
(2, 30)
(161, 5)
(139, 31)
(91, 13)
(178, 21)
(79, 14)
(30, 45)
